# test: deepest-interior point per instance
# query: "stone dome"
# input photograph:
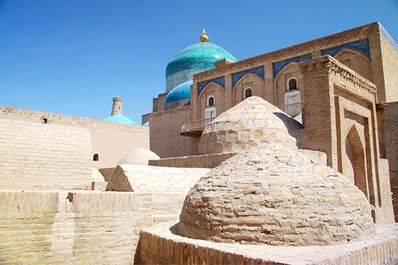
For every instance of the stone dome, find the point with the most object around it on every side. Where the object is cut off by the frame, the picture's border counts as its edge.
(139, 156)
(278, 196)
(247, 124)
(193, 59)
(120, 119)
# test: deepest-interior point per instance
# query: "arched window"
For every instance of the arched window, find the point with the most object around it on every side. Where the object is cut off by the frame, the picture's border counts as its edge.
(210, 111)
(292, 98)
(248, 92)
(292, 84)
(211, 101)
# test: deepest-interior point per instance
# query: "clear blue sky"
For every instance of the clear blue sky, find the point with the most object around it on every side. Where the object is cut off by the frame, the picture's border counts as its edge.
(73, 56)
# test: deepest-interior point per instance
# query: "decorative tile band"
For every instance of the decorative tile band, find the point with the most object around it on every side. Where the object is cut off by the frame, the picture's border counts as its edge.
(259, 71)
(387, 37)
(219, 80)
(278, 66)
(360, 46)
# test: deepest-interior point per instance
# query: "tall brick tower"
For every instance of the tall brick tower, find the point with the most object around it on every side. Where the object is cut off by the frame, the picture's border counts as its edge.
(117, 107)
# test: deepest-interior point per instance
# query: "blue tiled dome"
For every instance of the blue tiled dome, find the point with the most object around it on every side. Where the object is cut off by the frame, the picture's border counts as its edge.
(180, 92)
(193, 59)
(120, 119)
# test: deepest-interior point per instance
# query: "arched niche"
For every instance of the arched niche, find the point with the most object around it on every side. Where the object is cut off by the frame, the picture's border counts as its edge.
(248, 81)
(355, 60)
(211, 90)
(355, 168)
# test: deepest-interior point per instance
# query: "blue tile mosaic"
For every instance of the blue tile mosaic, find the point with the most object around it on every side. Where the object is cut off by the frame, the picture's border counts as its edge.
(278, 66)
(180, 92)
(360, 46)
(259, 71)
(120, 119)
(219, 80)
(194, 59)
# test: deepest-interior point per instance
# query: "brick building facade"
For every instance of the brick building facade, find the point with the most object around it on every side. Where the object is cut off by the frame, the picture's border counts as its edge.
(341, 88)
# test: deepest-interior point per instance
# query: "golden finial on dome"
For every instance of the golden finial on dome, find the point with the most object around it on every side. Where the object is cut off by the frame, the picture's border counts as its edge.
(203, 37)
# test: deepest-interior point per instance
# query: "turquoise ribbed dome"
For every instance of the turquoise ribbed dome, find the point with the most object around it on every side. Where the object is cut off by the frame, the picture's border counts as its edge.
(180, 92)
(194, 59)
(120, 119)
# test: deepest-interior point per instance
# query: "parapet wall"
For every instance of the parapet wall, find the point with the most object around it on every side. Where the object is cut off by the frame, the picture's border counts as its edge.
(110, 140)
(76, 227)
(44, 156)
(159, 245)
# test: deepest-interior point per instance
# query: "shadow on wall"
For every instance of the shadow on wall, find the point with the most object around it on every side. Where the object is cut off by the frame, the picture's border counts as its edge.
(293, 126)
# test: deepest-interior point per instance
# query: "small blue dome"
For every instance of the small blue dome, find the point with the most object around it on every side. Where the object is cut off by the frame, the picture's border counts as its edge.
(120, 119)
(180, 92)
(194, 59)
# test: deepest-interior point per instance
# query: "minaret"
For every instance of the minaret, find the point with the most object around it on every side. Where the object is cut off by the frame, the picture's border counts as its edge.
(117, 107)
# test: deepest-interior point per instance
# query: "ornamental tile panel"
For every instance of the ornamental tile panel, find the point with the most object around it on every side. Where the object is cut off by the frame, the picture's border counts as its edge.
(278, 66)
(259, 71)
(361, 46)
(219, 80)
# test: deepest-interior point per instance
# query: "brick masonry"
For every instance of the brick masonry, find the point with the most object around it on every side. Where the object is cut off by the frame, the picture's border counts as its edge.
(44, 156)
(391, 146)
(110, 140)
(77, 227)
(159, 245)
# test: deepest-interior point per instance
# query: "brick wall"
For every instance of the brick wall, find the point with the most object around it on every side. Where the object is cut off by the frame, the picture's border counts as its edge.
(110, 140)
(391, 147)
(390, 70)
(77, 227)
(165, 138)
(338, 101)
(44, 156)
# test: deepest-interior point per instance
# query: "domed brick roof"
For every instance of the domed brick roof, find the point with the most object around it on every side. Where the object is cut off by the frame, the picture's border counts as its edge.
(249, 123)
(275, 195)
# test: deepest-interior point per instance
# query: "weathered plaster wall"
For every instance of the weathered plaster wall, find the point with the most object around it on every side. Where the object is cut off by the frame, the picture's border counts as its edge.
(44, 156)
(71, 228)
